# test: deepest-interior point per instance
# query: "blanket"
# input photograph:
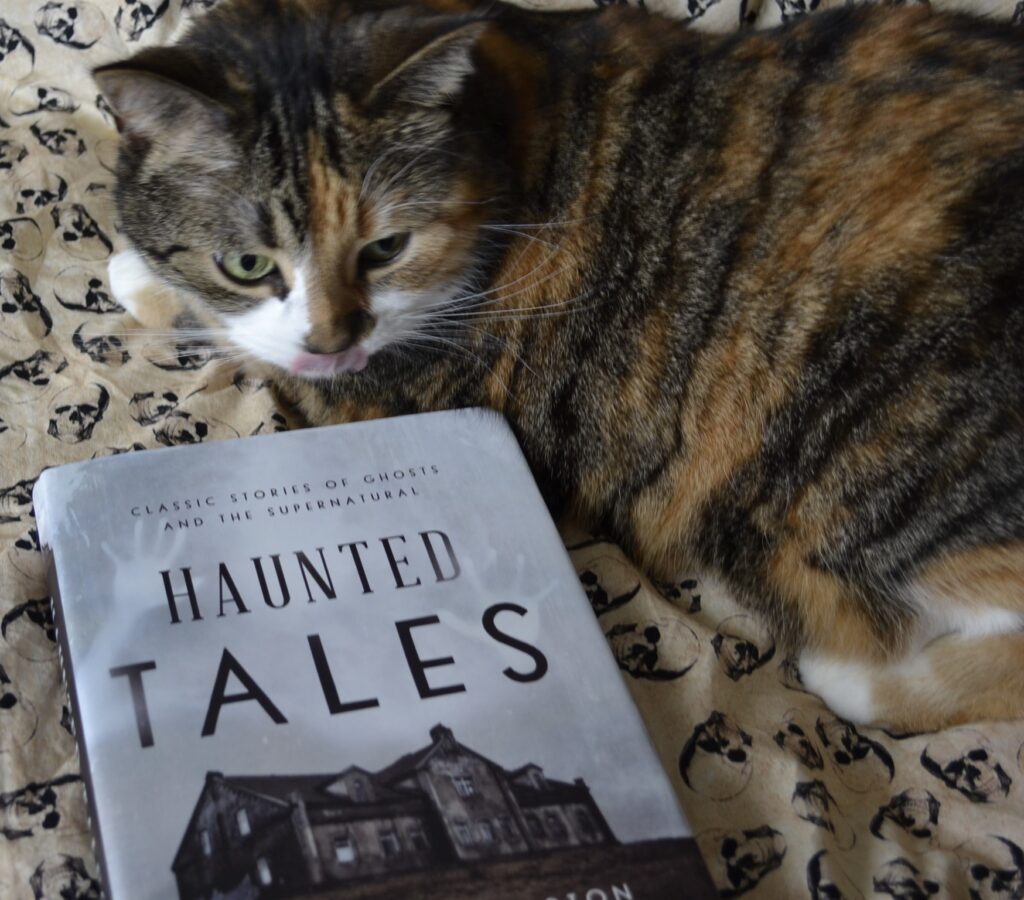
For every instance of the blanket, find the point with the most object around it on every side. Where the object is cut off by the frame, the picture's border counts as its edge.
(786, 798)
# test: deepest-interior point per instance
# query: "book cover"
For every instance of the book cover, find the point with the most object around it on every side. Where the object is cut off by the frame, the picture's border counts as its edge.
(348, 662)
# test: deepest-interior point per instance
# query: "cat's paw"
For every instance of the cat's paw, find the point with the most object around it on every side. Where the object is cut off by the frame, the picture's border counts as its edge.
(130, 281)
(844, 685)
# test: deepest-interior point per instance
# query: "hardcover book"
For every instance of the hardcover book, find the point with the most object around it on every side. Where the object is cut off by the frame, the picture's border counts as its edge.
(348, 662)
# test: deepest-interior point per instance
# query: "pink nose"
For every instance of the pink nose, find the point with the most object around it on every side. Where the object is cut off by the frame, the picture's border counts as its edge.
(354, 359)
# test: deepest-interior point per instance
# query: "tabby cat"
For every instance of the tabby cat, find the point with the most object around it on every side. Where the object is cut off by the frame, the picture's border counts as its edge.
(751, 304)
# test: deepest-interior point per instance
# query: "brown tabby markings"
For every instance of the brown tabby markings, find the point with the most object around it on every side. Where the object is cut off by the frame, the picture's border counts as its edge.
(997, 573)
(333, 216)
(721, 425)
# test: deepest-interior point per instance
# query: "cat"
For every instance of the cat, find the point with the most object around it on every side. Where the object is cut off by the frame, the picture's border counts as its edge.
(750, 303)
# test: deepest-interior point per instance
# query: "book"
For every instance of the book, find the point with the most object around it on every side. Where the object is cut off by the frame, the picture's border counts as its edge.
(348, 662)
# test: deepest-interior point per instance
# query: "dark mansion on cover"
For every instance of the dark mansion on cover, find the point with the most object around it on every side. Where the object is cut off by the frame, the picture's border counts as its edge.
(349, 662)
(441, 804)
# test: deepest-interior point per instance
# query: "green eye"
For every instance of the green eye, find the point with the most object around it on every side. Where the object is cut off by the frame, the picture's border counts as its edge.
(245, 267)
(380, 253)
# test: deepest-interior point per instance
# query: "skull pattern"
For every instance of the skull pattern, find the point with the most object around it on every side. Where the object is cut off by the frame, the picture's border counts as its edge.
(135, 17)
(913, 812)
(106, 349)
(73, 422)
(862, 764)
(28, 628)
(716, 760)
(78, 25)
(657, 650)
(902, 880)
(740, 860)
(964, 761)
(64, 877)
(795, 738)
(742, 646)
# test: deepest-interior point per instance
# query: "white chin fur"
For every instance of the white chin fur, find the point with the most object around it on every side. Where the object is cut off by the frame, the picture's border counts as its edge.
(274, 331)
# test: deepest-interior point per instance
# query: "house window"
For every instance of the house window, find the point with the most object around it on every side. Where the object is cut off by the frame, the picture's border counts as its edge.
(344, 849)
(508, 829)
(418, 839)
(263, 871)
(486, 832)
(205, 842)
(462, 833)
(242, 820)
(534, 824)
(358, 790)
(389, 844)
(555, 825)
(587, 827)
(464, 786)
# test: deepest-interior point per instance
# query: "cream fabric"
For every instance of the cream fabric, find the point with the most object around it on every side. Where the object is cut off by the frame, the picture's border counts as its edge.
(786, 799)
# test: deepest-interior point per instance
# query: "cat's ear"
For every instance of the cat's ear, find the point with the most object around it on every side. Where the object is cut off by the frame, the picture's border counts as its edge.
(434, 73)
(150, 104)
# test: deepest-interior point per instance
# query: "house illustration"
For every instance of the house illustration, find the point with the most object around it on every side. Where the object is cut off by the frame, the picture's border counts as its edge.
(281, 835)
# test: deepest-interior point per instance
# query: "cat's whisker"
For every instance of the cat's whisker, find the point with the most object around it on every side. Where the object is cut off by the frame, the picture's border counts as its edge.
(410, 343)
(516, 232)
(553, 223)
(432, 204)
(457, 328)
(525, 310)
(457, 311)
(529, 316)
(158, 358)
(497, 294)
(518, 357)
(469, 353)
(177, 332)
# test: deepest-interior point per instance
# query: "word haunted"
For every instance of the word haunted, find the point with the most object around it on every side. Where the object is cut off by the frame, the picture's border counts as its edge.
(299, 567)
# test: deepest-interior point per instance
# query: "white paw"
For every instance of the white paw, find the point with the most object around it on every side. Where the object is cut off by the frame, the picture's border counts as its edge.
(129, 279)
(845, 686)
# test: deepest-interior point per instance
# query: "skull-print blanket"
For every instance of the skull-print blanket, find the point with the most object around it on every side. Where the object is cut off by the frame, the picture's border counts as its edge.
(787, 799)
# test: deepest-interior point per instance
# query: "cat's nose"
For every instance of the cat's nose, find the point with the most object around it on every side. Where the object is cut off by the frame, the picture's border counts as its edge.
(330, 338)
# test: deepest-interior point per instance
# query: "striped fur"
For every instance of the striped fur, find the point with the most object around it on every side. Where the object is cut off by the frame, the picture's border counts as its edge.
(777, 336)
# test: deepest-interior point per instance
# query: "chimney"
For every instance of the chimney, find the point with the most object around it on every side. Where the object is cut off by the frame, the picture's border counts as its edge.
(304, 835)
(439, 732)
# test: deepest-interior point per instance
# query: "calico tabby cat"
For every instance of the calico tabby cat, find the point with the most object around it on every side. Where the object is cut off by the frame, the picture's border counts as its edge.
(751, 303)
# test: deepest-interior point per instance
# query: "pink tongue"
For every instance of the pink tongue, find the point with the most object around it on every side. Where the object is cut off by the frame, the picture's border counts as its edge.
(352, 360)
(356, 359)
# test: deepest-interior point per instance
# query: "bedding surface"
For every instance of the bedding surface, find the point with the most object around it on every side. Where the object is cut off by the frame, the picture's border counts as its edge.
(787, 800)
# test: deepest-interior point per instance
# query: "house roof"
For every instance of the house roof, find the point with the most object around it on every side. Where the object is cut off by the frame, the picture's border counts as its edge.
(312, 789)
(555, 792)
(280, 788)
(406, 765)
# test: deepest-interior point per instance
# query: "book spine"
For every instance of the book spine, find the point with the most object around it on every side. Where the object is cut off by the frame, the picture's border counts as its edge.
(67, 677)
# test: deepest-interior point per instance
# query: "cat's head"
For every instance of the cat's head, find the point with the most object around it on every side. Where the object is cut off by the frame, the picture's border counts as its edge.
(308, 174)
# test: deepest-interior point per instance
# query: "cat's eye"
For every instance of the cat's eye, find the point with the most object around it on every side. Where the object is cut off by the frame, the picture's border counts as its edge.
(247, 268)
(380, 253)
